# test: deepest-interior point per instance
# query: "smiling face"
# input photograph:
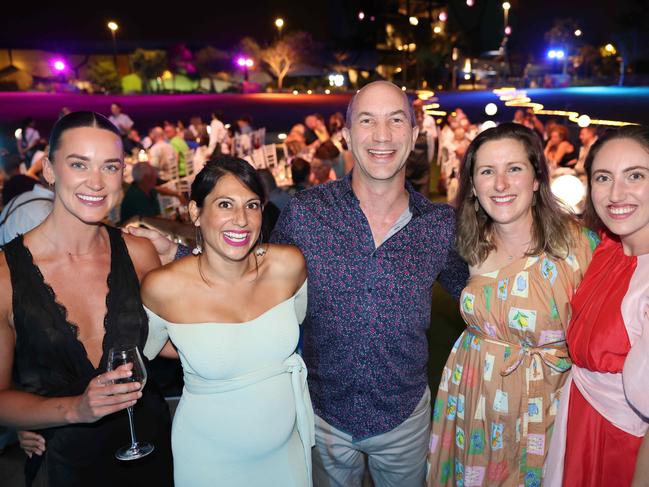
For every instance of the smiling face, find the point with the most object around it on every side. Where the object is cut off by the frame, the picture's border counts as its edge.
(86, 171)
(381, 135)
(230, 219)
(504, 181)
(620, 191)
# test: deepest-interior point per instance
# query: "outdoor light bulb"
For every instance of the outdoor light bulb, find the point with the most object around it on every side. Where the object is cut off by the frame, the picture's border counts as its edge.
(583, 121)
(609, 48)
(241, 61)
(467, 76)
(578, 33)
(309, 92)
(413, 20)
(560, 54)
(18, 134)
(327, 91)
(443, 16)
(279, 23)
(569, 189)
(552, 54)
(59, 65)
(113, 26)
(249, 63)
(403, 88)
(361, 15)
(437, 29)
(295, 92)
(508, 30)
(490, 109)
(281, 136)
(469, 3)
(489, 124)
(227, 125)
(507, 5)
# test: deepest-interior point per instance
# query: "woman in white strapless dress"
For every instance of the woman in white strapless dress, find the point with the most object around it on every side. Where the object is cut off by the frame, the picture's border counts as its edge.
(233, 312)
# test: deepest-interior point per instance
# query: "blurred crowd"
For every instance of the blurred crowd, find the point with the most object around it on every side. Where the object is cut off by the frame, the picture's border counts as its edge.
(162, 160)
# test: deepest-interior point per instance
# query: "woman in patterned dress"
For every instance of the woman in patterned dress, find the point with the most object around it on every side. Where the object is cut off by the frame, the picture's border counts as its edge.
(605, 402)
(498, 395)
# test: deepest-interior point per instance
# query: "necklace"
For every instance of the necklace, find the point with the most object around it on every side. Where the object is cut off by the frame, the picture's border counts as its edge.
(509, 254)
(73, 254)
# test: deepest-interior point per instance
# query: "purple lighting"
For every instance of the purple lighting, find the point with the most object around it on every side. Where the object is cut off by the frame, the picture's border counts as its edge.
(241, 61)
(59, 65)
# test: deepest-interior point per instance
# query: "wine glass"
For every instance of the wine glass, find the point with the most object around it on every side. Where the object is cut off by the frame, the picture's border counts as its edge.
(121, 355)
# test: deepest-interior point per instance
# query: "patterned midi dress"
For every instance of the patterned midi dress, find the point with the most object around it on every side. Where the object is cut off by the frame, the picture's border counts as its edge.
(497, 399)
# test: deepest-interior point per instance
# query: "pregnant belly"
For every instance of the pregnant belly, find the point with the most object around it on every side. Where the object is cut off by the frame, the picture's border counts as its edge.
(234, 426)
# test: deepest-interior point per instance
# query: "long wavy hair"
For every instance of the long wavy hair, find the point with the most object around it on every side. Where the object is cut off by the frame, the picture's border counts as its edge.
(553, 225)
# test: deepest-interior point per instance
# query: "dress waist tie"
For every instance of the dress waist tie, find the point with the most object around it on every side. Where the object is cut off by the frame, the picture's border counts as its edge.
(293, 365)
(554, 355)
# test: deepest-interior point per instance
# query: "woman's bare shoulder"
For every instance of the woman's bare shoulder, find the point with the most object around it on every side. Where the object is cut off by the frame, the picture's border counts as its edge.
(288, 257)
(143, 254)
(286, 261)
(167, 282)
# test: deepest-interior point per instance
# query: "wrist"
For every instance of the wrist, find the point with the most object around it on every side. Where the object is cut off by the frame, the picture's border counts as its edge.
(71, 407)
(176, 252)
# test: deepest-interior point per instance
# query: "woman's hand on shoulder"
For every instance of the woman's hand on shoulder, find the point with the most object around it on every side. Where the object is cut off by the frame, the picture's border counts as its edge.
(165, 248)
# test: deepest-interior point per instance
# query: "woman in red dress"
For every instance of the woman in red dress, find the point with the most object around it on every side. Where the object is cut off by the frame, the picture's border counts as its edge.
(606, 402)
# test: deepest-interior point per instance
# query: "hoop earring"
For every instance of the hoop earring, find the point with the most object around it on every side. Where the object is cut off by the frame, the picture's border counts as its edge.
(199, 242)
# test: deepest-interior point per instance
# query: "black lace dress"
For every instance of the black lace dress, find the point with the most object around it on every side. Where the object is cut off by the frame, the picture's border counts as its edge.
(50, 361)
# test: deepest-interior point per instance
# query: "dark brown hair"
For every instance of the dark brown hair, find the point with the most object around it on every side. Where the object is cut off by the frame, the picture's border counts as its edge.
(553, 225)
(75, 120)
(638, 133)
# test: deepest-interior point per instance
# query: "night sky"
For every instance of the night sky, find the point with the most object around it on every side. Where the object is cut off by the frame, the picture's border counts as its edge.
(62, 25)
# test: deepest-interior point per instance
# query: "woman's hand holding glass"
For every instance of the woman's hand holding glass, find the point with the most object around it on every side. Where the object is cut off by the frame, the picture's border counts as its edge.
(108, 393)
(122, 356)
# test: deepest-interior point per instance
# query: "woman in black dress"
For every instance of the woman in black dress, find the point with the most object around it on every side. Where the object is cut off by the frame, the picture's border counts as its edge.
(69, 291)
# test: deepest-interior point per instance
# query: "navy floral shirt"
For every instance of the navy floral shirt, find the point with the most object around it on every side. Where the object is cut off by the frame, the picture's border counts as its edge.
(369, 308)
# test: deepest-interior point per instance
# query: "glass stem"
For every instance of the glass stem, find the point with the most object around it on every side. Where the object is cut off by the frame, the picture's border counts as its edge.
(132, 426)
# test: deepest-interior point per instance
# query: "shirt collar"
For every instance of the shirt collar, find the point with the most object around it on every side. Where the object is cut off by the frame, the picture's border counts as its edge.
(418, 204)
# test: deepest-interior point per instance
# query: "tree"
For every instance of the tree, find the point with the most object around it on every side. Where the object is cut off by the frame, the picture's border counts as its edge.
(103, 74)
(281, 57)
(208, 61)
(149, 65)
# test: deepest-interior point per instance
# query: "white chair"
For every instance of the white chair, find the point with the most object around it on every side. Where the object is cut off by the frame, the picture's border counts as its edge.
(270, 155)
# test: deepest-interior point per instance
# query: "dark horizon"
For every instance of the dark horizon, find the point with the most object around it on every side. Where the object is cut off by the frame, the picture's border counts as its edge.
(66, 27)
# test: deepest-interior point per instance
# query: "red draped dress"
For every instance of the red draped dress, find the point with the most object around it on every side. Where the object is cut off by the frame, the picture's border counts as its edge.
(599, 452)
